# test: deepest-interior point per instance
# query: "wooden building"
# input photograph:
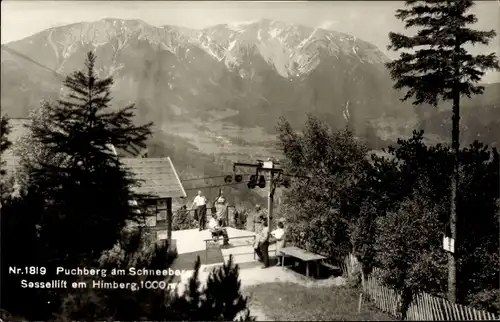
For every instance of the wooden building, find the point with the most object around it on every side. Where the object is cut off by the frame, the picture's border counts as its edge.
(159, 179)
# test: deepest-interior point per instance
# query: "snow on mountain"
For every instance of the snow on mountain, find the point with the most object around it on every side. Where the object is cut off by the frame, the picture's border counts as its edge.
(239, 66)
(292, 50)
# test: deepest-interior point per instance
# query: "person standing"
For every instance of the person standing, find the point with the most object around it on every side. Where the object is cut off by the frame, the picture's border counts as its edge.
(255, 219)
(200, 202)
(279, 236)
(220, 204)
(261, 245)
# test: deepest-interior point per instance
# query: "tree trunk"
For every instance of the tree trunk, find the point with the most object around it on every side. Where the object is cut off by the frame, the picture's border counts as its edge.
(455, 144)
(406, 299)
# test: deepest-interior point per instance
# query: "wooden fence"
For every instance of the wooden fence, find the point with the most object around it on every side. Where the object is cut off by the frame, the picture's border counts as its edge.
(424, 306)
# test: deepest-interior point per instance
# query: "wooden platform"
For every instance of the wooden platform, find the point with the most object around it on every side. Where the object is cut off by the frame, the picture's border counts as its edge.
(193, 240)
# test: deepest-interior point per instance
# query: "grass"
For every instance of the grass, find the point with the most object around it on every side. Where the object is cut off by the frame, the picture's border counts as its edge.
(293, 302)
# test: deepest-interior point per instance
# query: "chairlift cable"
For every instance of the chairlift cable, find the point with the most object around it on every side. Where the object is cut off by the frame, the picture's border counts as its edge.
(18, 54)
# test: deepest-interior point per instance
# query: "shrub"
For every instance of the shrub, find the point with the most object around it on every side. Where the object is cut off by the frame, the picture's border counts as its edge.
(183, 219)
(325, 167)
(363, 233)
(391, 181)
(408, 247)
(488, 300)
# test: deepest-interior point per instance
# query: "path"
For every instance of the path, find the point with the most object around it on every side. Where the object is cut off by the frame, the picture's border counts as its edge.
(257, 275)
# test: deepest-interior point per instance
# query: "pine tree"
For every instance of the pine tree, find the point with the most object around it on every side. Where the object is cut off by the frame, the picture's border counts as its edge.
(87, 194)
(438, 68)
(219, 300)
(222, 296)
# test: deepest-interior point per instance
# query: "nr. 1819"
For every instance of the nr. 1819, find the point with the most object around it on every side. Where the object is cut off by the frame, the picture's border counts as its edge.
(27, 270)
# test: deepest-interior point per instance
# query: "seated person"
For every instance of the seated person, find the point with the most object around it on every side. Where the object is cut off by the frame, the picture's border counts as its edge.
(217, 231)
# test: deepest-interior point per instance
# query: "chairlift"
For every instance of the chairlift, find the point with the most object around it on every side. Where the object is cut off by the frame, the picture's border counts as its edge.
(262, 182)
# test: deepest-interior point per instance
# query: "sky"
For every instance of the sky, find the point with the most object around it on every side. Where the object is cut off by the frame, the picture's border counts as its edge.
(367, 20)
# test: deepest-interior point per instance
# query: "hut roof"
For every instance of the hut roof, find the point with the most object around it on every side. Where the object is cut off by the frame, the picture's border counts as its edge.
(157, 175)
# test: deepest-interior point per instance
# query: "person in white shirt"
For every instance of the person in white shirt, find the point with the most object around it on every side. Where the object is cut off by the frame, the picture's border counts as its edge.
(279, 236)
(200, 202)
(216, 230)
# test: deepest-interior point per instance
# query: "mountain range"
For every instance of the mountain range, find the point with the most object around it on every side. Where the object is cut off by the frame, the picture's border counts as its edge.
(220, 90)
(259, 70)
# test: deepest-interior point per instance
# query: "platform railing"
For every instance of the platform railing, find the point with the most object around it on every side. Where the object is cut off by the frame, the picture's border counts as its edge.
(230, 238)
(210, 211)
(236, 237)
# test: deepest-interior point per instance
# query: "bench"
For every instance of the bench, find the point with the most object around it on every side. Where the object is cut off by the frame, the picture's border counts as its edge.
(330, 263)
(332, 268)
(303, 255)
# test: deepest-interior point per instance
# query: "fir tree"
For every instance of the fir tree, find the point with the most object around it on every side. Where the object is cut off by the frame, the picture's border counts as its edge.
(222, 296)
(87, 194)
(438, 68)
(219, 300)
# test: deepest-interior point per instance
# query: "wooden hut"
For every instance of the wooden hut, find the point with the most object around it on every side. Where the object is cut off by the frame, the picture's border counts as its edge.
(158, 178)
